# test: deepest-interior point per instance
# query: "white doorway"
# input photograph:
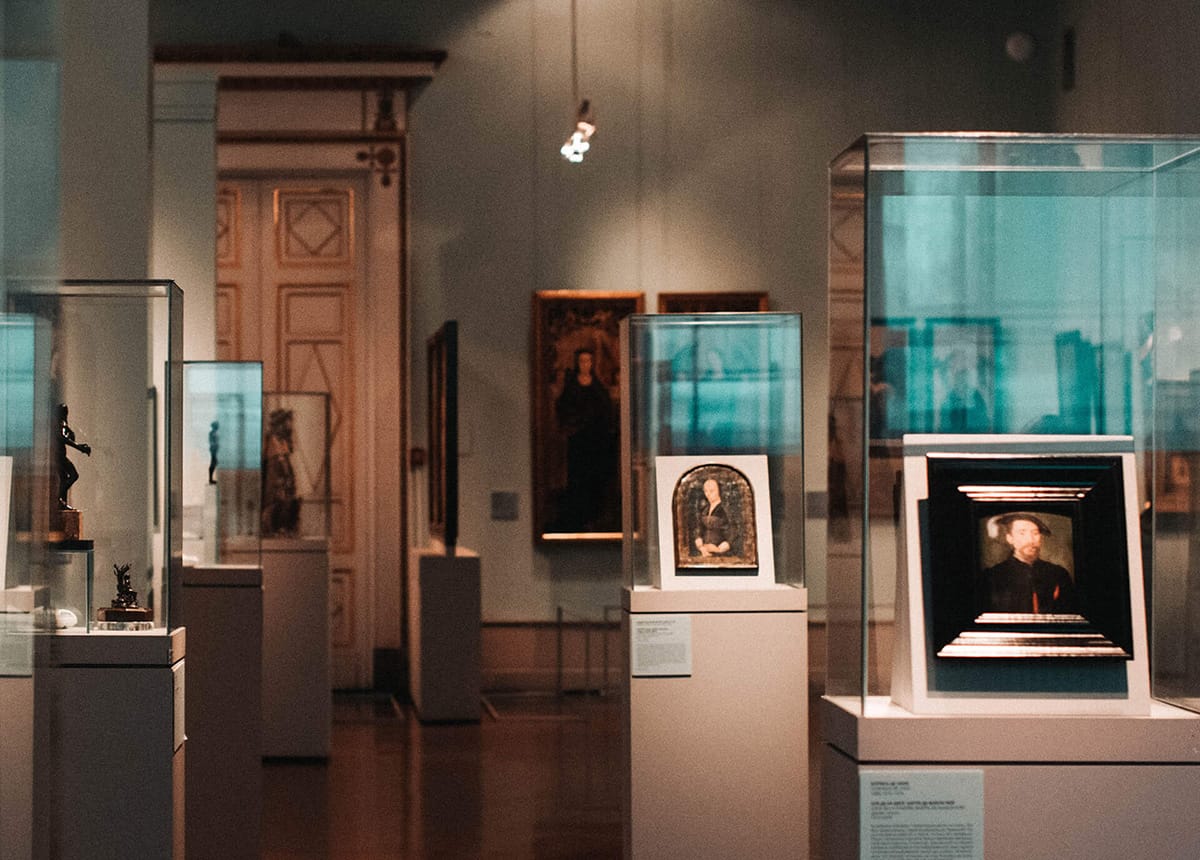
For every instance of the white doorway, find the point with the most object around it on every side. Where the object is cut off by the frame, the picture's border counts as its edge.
(308, 121)
(291, 294)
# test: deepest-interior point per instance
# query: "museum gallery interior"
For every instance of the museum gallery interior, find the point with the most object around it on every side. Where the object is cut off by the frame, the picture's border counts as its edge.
(592, 429)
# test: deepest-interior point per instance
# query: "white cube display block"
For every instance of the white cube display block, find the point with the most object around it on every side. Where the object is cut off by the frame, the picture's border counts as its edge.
(109, 777)
(716, 733)
(297, 697)
(1107, 787)
(16, 767)
(444, 635)
(223, 608)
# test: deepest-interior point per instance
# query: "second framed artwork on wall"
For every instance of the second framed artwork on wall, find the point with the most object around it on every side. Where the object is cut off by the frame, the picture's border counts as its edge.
(707, 303)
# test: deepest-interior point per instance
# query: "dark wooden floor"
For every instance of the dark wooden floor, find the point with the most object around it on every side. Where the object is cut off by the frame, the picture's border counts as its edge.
(534, 778)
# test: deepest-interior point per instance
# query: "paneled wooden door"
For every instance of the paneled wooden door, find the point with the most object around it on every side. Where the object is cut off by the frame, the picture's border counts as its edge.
(290, 293)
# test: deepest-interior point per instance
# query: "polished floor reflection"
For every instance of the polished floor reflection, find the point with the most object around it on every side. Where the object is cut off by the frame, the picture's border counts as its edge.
(536, 777)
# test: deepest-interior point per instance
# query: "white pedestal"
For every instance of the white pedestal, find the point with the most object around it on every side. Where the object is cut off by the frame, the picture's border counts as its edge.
(1104, 787)
(16, 767)
(444, 635)
(223, 610)
(297, 698)
(109, 754)
(718, 760)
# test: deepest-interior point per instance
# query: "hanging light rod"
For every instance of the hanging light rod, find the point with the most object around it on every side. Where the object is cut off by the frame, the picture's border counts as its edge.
(578, 143)
(585, 126)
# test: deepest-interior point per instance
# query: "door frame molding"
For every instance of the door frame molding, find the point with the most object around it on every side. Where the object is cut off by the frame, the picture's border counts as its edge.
(259, 90)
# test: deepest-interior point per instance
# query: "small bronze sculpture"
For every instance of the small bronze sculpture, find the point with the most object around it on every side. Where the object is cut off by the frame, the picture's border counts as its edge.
(124, 610)
(280, 503)
(214, 444)
(67, 474)
(126, 597)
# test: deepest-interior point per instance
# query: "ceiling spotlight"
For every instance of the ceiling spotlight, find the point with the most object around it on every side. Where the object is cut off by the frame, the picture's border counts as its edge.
(579, 141)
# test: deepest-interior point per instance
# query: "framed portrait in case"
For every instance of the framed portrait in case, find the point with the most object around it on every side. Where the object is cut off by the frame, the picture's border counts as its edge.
(714, 521)
(1022, 586)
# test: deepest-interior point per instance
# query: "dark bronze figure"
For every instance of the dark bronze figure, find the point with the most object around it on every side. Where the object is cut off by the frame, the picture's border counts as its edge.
(67, 474)
(280, 503)
(126, 597)
(214, 444)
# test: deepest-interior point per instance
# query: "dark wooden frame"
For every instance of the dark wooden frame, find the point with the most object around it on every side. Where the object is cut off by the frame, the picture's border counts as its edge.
(706, 303)
(1089, 490)
(441, 353)
(563, 322)
(737, 498)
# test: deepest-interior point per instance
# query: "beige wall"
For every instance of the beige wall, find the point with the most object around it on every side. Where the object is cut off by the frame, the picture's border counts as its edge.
(1137, 67)
(716, 123)
(105, 138)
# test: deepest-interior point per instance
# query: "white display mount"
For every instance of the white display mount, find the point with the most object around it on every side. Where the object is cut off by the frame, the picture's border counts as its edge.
(910, 682)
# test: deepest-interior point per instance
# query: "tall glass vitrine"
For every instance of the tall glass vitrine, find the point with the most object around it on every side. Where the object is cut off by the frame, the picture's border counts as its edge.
(222, 459)
(712, 399)
(1011, 284)
(106, 536)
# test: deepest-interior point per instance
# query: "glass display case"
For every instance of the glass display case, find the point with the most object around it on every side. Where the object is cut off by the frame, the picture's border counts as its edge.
(24, 359)
(105, 535)
(985, 284)
(222, 459)
(712, 450)
(296, 488)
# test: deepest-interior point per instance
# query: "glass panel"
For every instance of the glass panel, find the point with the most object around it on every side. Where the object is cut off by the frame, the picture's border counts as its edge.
(23, 449)
(296, 496)
(113, 376)
(1010, 284)
(712, 384)
(29, 131)
(1168, 368)
(222, 465)
(846, 621)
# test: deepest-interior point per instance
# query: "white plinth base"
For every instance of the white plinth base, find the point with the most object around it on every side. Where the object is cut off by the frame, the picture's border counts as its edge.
(1105, 787)
(718, 761)
(109, 752)
(444, 662)
(297, 695)
(223, 606)
(16, 767)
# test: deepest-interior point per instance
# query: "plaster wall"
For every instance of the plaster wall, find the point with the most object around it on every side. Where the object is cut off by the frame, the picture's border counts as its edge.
(708, 171)
(105, 174)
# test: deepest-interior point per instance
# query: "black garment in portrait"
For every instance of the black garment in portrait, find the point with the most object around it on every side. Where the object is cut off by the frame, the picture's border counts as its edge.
(1012, 584)
(585, 415)
(714, 526)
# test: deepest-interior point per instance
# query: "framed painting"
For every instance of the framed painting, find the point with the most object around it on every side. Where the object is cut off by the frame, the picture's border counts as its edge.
(1023, 581)
(441, 353)
(714, 521)
(576, 405)
(707, 303)
(1043, 541)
